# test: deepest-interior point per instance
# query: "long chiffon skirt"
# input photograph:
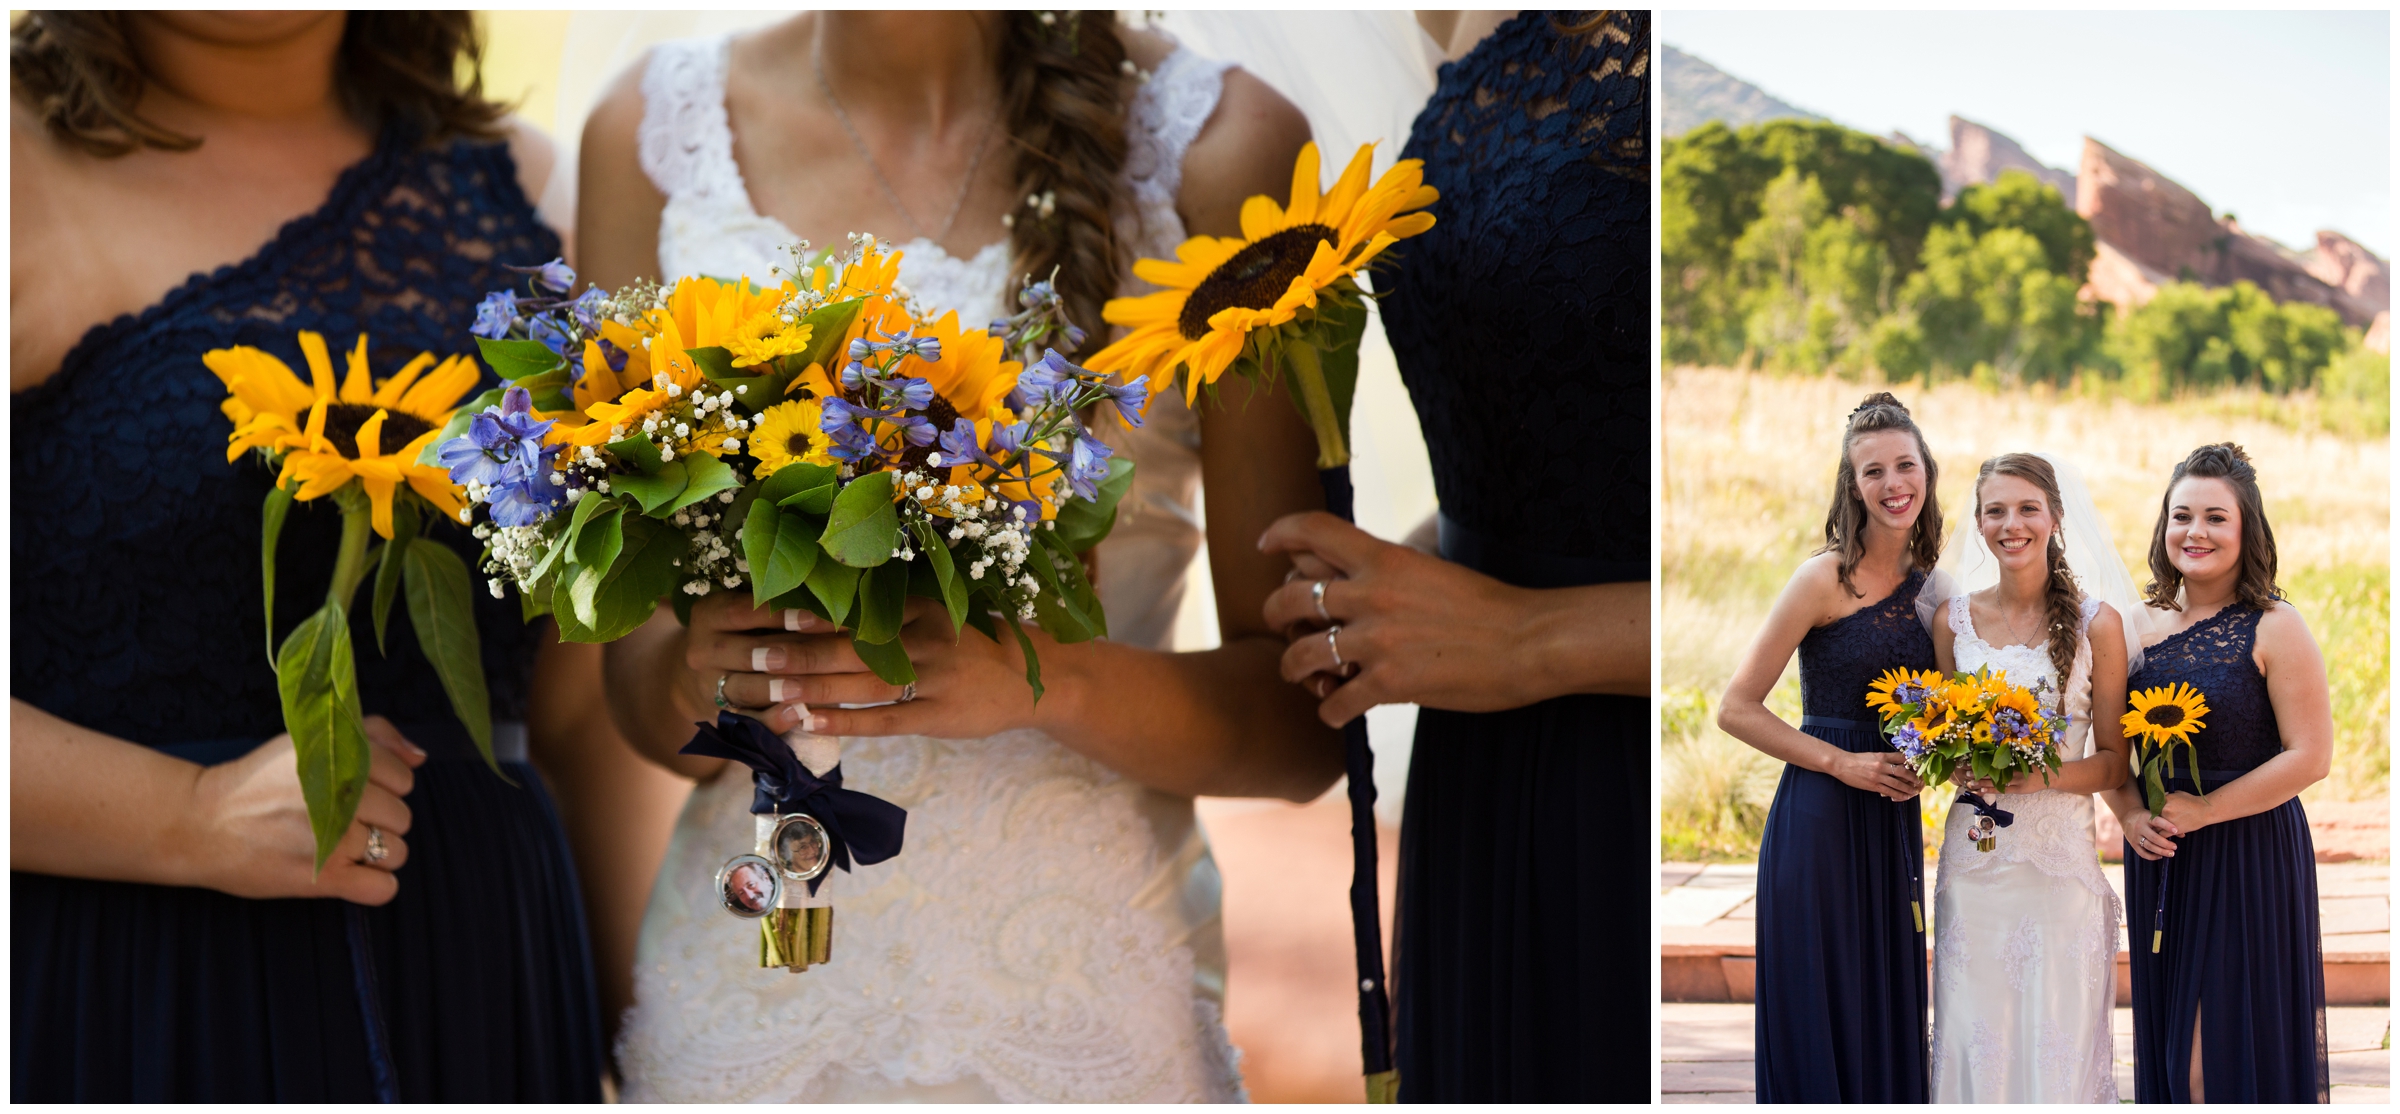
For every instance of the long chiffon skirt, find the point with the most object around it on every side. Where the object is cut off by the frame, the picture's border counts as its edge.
(1522, 943)
(2241, 950)
(474, 984)
(1841, 994)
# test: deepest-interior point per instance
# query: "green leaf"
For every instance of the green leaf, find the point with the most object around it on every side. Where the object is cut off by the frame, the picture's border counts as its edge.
(714, 361)
(639, 451)
(817, 500)
(441, 605)
(1074, 585)
(882, 602)
(534, 601)
(945, 573)
(431, 455)
(655, 491)
(794, 478)
(1033, 661)
(515, 359)
(981, 619)
(863, 529)
(552, 390)
(387, 569)
(705, 477)
(1341, 322)
(1060, 613)
(599, 541)
(1083, 524)
(271, 516)
(836, 586)
(830, 325)
(318, 682)
(781, 548)
(887, 659)
(625, 595)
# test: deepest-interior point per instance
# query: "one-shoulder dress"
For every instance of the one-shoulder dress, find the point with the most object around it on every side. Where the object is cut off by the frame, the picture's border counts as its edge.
(1521, 323)
(1841, 989)
(2240, 945)
(134, 576)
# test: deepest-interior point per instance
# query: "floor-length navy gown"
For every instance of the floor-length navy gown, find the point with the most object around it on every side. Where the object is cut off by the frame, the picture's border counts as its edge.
(2241, 943)
(137, 612)
(1521, 323)
(1841, 994)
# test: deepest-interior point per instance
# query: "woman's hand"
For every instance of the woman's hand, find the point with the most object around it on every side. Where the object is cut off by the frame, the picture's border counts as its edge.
(1417, 629)
(1886, 773)
(967, 686)
(249, 830)
(2187, 813)
(2151, 837)
(1964, 778)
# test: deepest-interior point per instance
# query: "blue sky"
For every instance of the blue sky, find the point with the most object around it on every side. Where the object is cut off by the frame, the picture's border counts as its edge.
(2283, 119)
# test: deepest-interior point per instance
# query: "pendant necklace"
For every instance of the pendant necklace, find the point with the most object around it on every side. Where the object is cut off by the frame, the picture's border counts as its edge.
(817, 64)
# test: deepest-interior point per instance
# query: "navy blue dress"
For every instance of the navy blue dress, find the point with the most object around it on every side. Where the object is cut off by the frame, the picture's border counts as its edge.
(1841, 995)
(1521, 323)
(2241, 943)
(135, 582)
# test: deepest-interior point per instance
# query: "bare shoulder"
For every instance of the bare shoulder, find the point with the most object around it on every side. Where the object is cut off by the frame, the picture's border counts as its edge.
(1815, 588)
(535, 154)
(2283, 625)
(616, 118)
(1247, 148)
(2107, 628)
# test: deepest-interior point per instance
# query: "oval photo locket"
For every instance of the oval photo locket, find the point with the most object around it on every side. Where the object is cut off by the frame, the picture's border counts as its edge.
(802, 848)
(749, 886)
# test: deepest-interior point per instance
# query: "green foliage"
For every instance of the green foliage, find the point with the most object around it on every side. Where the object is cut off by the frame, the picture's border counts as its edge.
(1991, 299)
(2357, 389)
(278, 507)
(441, 605)
(2191, 336)
(318, 682)
(2021, 201)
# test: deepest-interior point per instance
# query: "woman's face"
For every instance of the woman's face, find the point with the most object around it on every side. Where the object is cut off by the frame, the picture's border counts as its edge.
(2014, 516)
(1891, 477)
(2204, 528)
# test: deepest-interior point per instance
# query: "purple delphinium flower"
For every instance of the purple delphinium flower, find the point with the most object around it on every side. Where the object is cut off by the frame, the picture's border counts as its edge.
(555, 275)
(502, 450)
(495, 315)
(959, 446)
(586, 309)
(553, 333)
(1087, 466)
(1909, 741)
(1130, 398)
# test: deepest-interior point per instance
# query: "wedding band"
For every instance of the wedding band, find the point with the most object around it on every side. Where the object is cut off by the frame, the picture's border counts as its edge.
(1332, 633)
(1316, 594)
(376, 852)
(908, 692)
(722, 703)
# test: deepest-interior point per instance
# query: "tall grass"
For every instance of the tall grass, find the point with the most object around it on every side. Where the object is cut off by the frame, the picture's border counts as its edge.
(1749, 468)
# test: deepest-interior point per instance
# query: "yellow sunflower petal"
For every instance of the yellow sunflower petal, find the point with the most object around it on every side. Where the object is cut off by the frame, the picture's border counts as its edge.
(1303, 208)
(1261, 217)
(379, 496)
(358, 386)
(437, 490)
(320, 364)
(396, 387)
(1347, 189)
(436, 395)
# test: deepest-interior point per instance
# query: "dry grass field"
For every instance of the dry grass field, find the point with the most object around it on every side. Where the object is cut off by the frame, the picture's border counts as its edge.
(1749, 461)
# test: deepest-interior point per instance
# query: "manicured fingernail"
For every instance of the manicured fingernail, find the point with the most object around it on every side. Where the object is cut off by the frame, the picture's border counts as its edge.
(766, 658)
(811, 722)
(791, 618)
(799, 716)
(413, 748)
(775, 689)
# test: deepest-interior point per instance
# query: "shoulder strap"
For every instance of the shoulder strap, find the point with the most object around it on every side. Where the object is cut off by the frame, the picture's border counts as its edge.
(686, 143)
(1962, 621)
(1165, 116)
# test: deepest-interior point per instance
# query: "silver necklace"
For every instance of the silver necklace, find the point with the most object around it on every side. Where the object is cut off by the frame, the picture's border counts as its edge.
(817, 64)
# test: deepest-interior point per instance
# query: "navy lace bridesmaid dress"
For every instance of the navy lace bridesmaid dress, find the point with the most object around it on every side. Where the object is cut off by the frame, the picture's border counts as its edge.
(135, 582)
(1841, 994)
(2241, 943)
(1522, 323)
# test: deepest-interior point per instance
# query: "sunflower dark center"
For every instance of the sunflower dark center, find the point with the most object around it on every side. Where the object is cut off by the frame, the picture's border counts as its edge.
(343, 419)
(2164, 715)
(1253, 278)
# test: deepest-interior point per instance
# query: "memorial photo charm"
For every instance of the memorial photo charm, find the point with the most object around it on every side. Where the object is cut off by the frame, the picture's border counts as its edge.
(748, 886)
(1985, 834)
(801, 847)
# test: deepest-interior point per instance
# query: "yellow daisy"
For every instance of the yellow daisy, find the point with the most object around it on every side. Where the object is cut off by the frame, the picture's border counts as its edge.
(1220, 289)
(2167, 714)
(790, 432)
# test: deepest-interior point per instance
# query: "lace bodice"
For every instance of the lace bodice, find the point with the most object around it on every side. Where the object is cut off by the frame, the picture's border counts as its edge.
(1524, 314)
(1840, 659)
(134, 543)
(2027, 665)
(1050, 933)
(2214, 655)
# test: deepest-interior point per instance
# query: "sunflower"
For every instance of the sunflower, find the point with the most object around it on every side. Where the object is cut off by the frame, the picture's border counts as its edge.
(1220, 289)
(345, 431)
(789, 433)
(1898, 688)
(973, 376)
(2167, 714)
(663, 356)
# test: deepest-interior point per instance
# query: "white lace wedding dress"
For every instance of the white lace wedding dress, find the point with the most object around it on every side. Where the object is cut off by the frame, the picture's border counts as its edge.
(1050, 932)
(2024, 958)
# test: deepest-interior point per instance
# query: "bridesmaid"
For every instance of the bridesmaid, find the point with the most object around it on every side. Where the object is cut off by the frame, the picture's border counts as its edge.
(1841, 992)
(169, 938)
(1524, 314)
(2231, 1004)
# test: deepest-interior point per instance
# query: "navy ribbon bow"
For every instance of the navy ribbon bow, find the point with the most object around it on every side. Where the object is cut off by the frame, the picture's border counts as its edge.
(1999, 816)
(862, 826)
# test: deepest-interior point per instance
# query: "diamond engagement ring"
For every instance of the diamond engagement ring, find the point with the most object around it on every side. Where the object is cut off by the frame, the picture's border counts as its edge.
(908, 692)
(1316, 594)
(722, 703)
(1332, 636)
(376, 851)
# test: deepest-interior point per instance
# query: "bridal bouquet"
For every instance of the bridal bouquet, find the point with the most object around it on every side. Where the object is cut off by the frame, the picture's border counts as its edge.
(828, 444)
(1995, 730)
(2162, 719)
(357, 443)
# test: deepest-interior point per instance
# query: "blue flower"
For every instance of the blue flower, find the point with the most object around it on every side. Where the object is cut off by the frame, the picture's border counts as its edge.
(1909, 741)
(916, 427)
(547, 328)
(528, 500)
(495, 315)
(498, 442)
(1049, 377)
(1130, 398)
(586, 309)
(1038, 295)
(1088, 466)
(555, 275)
(959, 445)
(854, 375)
(916, 394)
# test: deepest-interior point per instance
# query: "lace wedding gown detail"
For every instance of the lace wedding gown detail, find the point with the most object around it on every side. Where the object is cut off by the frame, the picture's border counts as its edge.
(1050, 933)
(2024, 958)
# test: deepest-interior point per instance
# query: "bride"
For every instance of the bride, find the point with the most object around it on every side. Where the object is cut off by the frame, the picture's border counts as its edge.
(2026, 934)
(1049, 932)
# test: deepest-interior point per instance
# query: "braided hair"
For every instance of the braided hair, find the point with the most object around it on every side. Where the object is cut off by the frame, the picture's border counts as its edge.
(1064, 87)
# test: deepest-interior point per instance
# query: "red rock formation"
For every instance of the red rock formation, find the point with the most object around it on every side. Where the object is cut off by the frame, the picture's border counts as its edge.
(2346, 266)
(2379, 334)
(1978, 154)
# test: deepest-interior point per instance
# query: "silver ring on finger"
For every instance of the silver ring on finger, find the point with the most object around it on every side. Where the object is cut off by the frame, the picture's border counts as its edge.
(1333, 642)
(908, 692)
(376, 851)
(722, 703)
(1316, 595)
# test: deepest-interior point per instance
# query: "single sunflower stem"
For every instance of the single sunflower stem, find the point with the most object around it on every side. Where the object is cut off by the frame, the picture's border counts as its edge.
(350, 563)
(1316, 402)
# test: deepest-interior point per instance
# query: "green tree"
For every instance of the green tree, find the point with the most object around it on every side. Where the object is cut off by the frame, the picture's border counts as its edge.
(2192, 337)
(2020, 200)
(1992, 299)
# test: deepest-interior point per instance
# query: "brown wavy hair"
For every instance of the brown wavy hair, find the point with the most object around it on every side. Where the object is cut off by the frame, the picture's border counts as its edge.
(1846, 519)
(2064, 625)
(2254, 575)
(1064, 87)
(81, 74)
